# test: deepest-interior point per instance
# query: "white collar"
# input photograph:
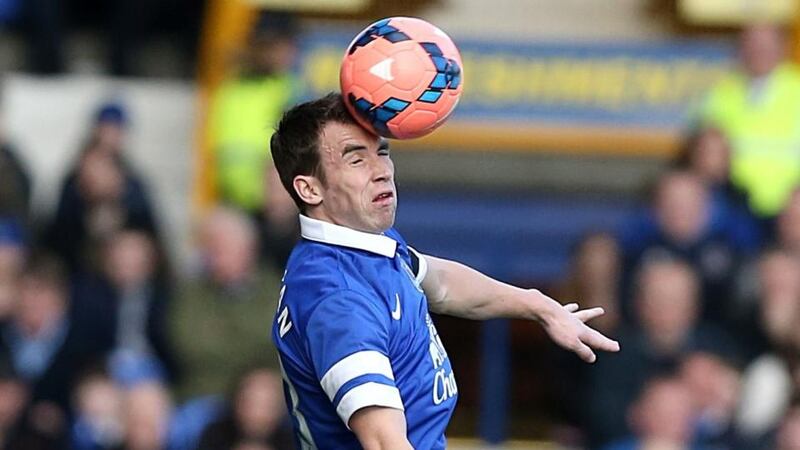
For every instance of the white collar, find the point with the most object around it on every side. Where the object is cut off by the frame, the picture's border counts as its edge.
(328, 233)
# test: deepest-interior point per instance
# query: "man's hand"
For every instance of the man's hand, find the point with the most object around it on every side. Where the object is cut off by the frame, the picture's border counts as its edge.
(457, 290)
(565, 324)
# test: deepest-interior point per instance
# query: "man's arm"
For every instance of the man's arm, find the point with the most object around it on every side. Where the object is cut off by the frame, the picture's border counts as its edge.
(457, 290)
(380, 428)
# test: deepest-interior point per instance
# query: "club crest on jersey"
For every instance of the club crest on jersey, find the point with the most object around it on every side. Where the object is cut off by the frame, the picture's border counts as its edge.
(411, 275)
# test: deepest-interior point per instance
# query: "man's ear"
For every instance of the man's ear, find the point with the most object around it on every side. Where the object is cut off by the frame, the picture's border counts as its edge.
(308, 188)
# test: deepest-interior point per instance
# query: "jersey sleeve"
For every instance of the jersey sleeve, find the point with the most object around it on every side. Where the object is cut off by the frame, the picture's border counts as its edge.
(348, 340)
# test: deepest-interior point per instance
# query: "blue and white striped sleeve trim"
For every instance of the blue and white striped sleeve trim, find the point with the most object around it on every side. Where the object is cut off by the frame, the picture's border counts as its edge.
(359, 380)
(419, 265)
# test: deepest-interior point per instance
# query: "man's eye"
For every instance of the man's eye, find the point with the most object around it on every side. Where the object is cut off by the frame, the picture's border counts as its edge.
(384, 152)
(356, 161)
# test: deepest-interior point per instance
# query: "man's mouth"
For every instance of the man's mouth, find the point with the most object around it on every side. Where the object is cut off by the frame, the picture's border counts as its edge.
(383, 196)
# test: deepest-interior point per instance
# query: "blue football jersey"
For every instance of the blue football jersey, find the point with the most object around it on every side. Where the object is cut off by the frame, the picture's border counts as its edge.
(353, 330)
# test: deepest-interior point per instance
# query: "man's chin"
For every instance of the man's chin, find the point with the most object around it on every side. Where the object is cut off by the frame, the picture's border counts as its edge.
(385, 220)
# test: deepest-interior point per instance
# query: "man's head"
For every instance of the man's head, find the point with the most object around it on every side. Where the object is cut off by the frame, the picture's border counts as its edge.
(272, 43)
(259, 406)
(229, 245)
(597, 261)
(148, 409)
(682, 206)
(779, 280)
(713, 381)
(43, 297)
(130, 258)
(667, 303)
(335, 170)
(98, 401)
(663, 413)
(761, 48)
(708, 156)
(100, 178)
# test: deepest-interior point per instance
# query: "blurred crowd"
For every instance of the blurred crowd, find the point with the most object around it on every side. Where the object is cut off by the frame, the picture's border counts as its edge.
(702, 286)
(121, 30)
(104, 345)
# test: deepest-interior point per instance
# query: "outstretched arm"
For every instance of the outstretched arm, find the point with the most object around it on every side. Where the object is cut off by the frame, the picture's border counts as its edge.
(457, 290)
(380, 428)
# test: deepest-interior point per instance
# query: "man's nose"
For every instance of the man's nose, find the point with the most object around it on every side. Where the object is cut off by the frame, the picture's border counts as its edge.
(382, 170)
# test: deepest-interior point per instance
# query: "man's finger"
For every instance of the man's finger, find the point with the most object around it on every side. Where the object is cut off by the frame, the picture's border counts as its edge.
(589, 314)
(571, 307)
(597, 340)
(585, 353)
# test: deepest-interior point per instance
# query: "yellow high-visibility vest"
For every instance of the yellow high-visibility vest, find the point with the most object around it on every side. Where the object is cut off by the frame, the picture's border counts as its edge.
(244, 112)
(763, 126)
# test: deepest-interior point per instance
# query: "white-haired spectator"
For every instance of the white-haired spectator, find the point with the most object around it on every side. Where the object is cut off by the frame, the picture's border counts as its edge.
(218, 318)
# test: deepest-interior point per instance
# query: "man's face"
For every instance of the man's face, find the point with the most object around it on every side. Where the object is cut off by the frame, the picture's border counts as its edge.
(682, 207)
(667, 305)
(761, 49)
(359, 190)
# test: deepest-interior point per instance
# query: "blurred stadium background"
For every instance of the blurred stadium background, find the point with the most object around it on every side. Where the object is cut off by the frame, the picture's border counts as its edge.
(640, 155)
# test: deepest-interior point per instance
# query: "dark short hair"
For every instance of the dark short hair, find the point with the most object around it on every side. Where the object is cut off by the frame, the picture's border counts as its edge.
(295, 144)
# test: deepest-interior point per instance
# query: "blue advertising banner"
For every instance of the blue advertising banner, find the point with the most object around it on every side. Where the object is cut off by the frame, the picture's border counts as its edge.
(647, 85)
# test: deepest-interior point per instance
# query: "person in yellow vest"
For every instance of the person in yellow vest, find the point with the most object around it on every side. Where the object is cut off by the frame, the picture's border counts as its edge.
(245, 109)
(757, 106)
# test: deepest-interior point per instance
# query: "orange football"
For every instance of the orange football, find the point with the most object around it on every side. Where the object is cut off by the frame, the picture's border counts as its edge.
(401, 77)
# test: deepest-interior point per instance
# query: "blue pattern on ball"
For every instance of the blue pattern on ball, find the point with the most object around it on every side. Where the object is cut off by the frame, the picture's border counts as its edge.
(378, 116)
(380, 29)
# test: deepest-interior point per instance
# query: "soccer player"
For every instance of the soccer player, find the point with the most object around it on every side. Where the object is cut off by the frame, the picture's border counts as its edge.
(363, 364)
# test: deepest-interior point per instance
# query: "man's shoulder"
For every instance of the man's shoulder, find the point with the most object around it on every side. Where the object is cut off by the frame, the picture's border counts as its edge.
(314, 262)
(316, 271)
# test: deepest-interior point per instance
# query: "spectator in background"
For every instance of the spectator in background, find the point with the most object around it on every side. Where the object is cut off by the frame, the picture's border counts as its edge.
(229, 303)
(748, 289)
(12, 259)
(246, 108)
(714, 384)
(661, 418)
(706, 155)
(756, 107)
(98, 198)
(125, 307)
(594, 280)
(147, 413)
(110, 130)
(44, 348)
(257, 416)
(13, 398)
(15, 185)
(679, 226)
(788, 436)
(769, 383)
(667, 306)
(98, 422)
